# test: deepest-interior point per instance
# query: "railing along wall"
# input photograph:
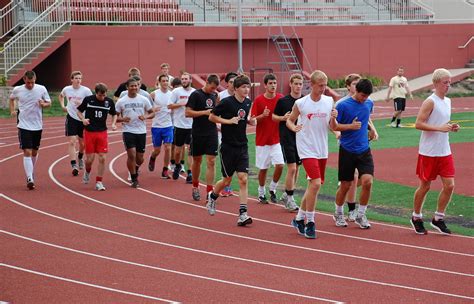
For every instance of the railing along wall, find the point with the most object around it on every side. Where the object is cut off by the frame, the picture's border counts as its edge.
(20, 46)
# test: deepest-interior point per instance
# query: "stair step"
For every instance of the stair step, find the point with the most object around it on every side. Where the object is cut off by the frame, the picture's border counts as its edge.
(469, 65)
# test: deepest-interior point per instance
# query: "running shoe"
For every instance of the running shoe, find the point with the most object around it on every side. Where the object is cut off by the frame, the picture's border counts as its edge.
(165, 174)
(351, 217)
(440, 225)
(291, 204)
(262, 199)
(75, 170)
(189, 178)
(151, 164)
(298, 225)
(30, 183)
(284, 198)
(310, 230)
(362, 221)
(196, 194)
(81, 164)
(211, 204)
(273, 197)
(176, 170)
(339, 219)
(99, 186)
(417, 224)
(244, 219)
(86, 177)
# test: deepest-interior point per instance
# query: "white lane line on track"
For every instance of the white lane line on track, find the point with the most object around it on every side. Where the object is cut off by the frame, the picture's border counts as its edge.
(111, 169)
(225, 256)
(84, 283)
(43, 148)
(235, 235)
(169, 270)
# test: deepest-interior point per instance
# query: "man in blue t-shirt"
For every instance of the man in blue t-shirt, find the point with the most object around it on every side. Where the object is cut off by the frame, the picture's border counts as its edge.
(354, 151)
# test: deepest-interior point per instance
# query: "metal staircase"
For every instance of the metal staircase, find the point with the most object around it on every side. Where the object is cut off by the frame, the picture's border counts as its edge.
(288, 57)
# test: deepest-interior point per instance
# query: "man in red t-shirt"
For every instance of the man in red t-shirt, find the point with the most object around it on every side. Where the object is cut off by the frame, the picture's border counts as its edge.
(268, 149)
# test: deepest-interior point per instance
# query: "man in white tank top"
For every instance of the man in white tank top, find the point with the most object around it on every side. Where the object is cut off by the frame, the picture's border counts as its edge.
(313, 113)
(434, 154)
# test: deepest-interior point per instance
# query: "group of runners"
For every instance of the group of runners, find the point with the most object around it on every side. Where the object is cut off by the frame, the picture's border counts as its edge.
(291, 130)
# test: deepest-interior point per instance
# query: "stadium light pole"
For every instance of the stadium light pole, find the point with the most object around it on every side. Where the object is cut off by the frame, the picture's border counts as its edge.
(239, 24)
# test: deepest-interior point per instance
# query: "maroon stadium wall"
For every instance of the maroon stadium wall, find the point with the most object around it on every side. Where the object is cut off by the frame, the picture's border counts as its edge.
(105, 53)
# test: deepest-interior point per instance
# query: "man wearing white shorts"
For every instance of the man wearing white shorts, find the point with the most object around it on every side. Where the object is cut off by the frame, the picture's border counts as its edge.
(32, 98)
(268, 149)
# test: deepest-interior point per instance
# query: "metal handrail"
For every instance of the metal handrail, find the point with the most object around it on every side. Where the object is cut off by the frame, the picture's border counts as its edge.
(9, 19)
(467, 43)
(33, 35)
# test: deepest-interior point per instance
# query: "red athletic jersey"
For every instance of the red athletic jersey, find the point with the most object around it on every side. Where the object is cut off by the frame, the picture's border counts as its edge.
(267, 130)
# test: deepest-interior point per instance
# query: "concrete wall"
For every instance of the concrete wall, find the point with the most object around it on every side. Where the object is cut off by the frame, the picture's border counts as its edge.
(106, 53)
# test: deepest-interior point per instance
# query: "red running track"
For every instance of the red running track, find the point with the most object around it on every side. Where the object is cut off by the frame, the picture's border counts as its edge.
(65, 242)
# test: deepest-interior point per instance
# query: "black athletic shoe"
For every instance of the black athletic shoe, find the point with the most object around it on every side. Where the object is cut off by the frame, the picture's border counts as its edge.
(75, 170)
(30, 184)
(262, 199)
(417, 224)
(189, 179)
(273, 197)
(134, 184)
(310, 230)
(299, 225)
(176, 170)
(440, 226)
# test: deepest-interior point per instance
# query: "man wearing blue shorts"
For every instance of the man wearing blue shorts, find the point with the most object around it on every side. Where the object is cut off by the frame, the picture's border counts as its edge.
(162, 125)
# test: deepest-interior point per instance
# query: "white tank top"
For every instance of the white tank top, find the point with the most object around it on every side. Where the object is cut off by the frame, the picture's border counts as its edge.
(435, 143)
(312, 140)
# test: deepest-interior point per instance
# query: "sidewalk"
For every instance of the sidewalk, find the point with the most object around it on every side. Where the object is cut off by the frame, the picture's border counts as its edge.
(424, 82)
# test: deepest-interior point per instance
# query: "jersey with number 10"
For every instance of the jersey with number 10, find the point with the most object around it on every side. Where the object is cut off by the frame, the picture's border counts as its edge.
(96, 111)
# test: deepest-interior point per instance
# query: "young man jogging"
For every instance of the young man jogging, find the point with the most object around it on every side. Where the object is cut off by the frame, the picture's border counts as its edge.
(434, 153)
(93, 112)
(354, 151)
(133, 109)
(267, 139)
(32, 98)
(288, 139)
(398, 90)
(233, 113)
(74, 95)
(313, 112)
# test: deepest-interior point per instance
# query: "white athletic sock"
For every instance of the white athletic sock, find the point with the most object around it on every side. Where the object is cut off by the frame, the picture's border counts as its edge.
(417, 215)
(439, 216)
(310, 216)
(273, 186)
(28, 165)
(301, 214)
(339, 209)
(362, 209)
(261, 190)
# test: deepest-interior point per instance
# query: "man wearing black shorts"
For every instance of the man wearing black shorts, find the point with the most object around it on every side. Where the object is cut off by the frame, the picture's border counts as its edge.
(354, 151)
(232, 113)
(93, 112)
(398, 90)
(288, 139)
(134, 109)
(32, 98)
(204, 133)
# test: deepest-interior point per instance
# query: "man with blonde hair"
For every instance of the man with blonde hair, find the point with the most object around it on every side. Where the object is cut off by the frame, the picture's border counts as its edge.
(134, 71)
(434, 153)
(314, 113)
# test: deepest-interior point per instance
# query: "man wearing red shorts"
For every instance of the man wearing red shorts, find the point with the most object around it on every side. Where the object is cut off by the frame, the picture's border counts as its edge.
(93, 113)
(434, 154)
